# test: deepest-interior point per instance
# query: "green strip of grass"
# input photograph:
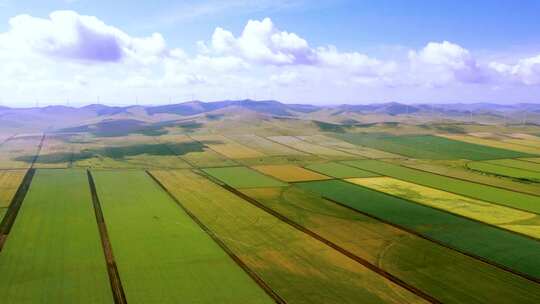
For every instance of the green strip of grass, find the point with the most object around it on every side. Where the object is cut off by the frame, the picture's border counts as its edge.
(502, 247)
(429, 147)
(443, 273)
(482, 192)
(503, 170)
(516, 163)
(163, 256)
(242, 177)
(338, 170)
(53, 253)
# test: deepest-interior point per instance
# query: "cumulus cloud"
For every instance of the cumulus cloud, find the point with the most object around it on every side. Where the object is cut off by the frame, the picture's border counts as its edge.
(526, 71)
(262, 42)
(445, 62)
(68, 35)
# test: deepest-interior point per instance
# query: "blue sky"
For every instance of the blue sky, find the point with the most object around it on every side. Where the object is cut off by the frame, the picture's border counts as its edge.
(296, 51)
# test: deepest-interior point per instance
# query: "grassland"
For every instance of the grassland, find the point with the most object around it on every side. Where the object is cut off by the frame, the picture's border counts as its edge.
(55, 153)
(242, 177)
(503, 170)
(297, 267)
(499, 196)
(338, 170)
(428, 146)
(227, 147)
(163, 256)
(53, 252)
(510, 250)
(497, 144)
(459, 170)
(500, 216)
(443, 273)
(290, 173)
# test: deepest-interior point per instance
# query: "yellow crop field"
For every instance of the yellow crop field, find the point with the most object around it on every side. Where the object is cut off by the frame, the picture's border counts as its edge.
(227, 147)
(491, 143)
(290, 173)
(9, 183)
(504, 217)
(304, 146)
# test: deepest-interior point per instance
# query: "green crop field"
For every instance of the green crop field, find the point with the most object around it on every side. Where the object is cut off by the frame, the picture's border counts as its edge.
(516, 163)
(449, 276)
(54, 253)
(504, 170)
(504, 197)
(163, 256)
(242, 177)
(428, 146)
(502, 247)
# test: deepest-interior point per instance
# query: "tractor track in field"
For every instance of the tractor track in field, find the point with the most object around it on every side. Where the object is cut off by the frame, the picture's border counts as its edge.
(14, 207)
(222, 245)
(334, 246)
(411, 231)
(114, 276)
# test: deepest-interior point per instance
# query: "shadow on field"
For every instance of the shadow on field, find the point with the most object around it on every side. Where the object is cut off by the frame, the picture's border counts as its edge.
(118, 153)
(124, 127)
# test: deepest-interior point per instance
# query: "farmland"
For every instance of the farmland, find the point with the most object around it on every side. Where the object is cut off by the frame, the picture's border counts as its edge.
(487, 193)
(439, 271)
(54, 253)
(503, 248)
(195, 203)
(507, 218)
(298, 268)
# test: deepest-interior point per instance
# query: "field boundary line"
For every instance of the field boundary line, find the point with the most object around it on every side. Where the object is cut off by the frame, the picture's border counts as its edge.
(14, 207)
(411, 231)
(114, 276)
(438, 188)
(222, 245)
(383, 273)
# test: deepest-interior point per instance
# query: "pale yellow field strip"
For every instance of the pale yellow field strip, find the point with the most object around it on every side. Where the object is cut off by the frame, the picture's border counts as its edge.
(290, 173)
(308, 147)
(491, 143)
(9, 183)
(504, 217)
(227, 147)
(264, 145)
(337, 144)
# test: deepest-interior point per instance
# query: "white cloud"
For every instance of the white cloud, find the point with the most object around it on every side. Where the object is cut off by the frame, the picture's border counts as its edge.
(526, 70)
(445, 62)
(68, 35)
(71, 54)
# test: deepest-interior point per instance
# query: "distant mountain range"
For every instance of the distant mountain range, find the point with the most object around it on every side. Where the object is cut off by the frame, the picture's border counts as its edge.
(276, 108)
(54, 117)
